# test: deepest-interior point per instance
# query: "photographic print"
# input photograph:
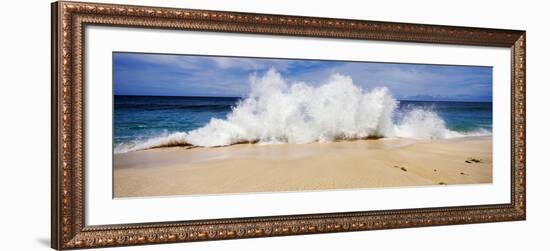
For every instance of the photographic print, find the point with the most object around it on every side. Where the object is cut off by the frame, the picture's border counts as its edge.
(198, 125)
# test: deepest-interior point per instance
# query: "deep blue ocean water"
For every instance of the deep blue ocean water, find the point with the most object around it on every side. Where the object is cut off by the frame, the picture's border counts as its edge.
(141, 117)
(458, 116)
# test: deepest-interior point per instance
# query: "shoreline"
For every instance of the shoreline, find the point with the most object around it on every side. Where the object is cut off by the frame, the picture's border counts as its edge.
(247, 168)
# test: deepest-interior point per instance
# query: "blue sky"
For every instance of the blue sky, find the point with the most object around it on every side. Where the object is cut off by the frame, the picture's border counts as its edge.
(182, 75)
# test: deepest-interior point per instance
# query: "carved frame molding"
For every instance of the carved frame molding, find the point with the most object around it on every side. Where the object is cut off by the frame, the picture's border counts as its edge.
(68, 225)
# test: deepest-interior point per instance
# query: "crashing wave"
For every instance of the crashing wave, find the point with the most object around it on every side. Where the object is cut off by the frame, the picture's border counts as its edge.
(276, 111)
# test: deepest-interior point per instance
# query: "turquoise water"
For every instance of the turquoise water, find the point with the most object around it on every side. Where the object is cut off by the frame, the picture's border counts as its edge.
(458, 116)
(142, 117)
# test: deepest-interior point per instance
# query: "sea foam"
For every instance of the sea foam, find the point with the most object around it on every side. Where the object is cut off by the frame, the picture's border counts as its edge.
(278, 111)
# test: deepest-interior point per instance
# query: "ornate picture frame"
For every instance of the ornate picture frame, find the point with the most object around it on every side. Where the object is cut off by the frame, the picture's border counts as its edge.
(69, 230)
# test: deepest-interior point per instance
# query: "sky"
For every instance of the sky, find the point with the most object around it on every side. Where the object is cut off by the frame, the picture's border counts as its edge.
(186, 75)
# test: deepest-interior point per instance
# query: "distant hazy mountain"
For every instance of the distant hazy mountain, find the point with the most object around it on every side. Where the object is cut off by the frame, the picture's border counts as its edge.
(468, 98)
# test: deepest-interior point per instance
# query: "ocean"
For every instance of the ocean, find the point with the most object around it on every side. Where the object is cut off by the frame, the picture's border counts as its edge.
(142, 122)
(138, 118)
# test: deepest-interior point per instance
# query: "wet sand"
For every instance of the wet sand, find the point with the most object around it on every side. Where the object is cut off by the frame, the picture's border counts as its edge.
(318, 166)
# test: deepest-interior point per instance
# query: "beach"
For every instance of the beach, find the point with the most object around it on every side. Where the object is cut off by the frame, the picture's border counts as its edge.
(250, 168)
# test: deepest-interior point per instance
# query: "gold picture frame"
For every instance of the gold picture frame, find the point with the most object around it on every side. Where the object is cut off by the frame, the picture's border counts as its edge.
(69, 230)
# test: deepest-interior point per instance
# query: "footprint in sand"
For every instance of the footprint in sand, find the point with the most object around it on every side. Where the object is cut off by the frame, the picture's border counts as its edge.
(402, 168)
(472, 160)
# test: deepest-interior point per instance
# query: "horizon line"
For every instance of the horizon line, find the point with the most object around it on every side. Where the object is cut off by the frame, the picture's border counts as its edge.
(200, 96)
